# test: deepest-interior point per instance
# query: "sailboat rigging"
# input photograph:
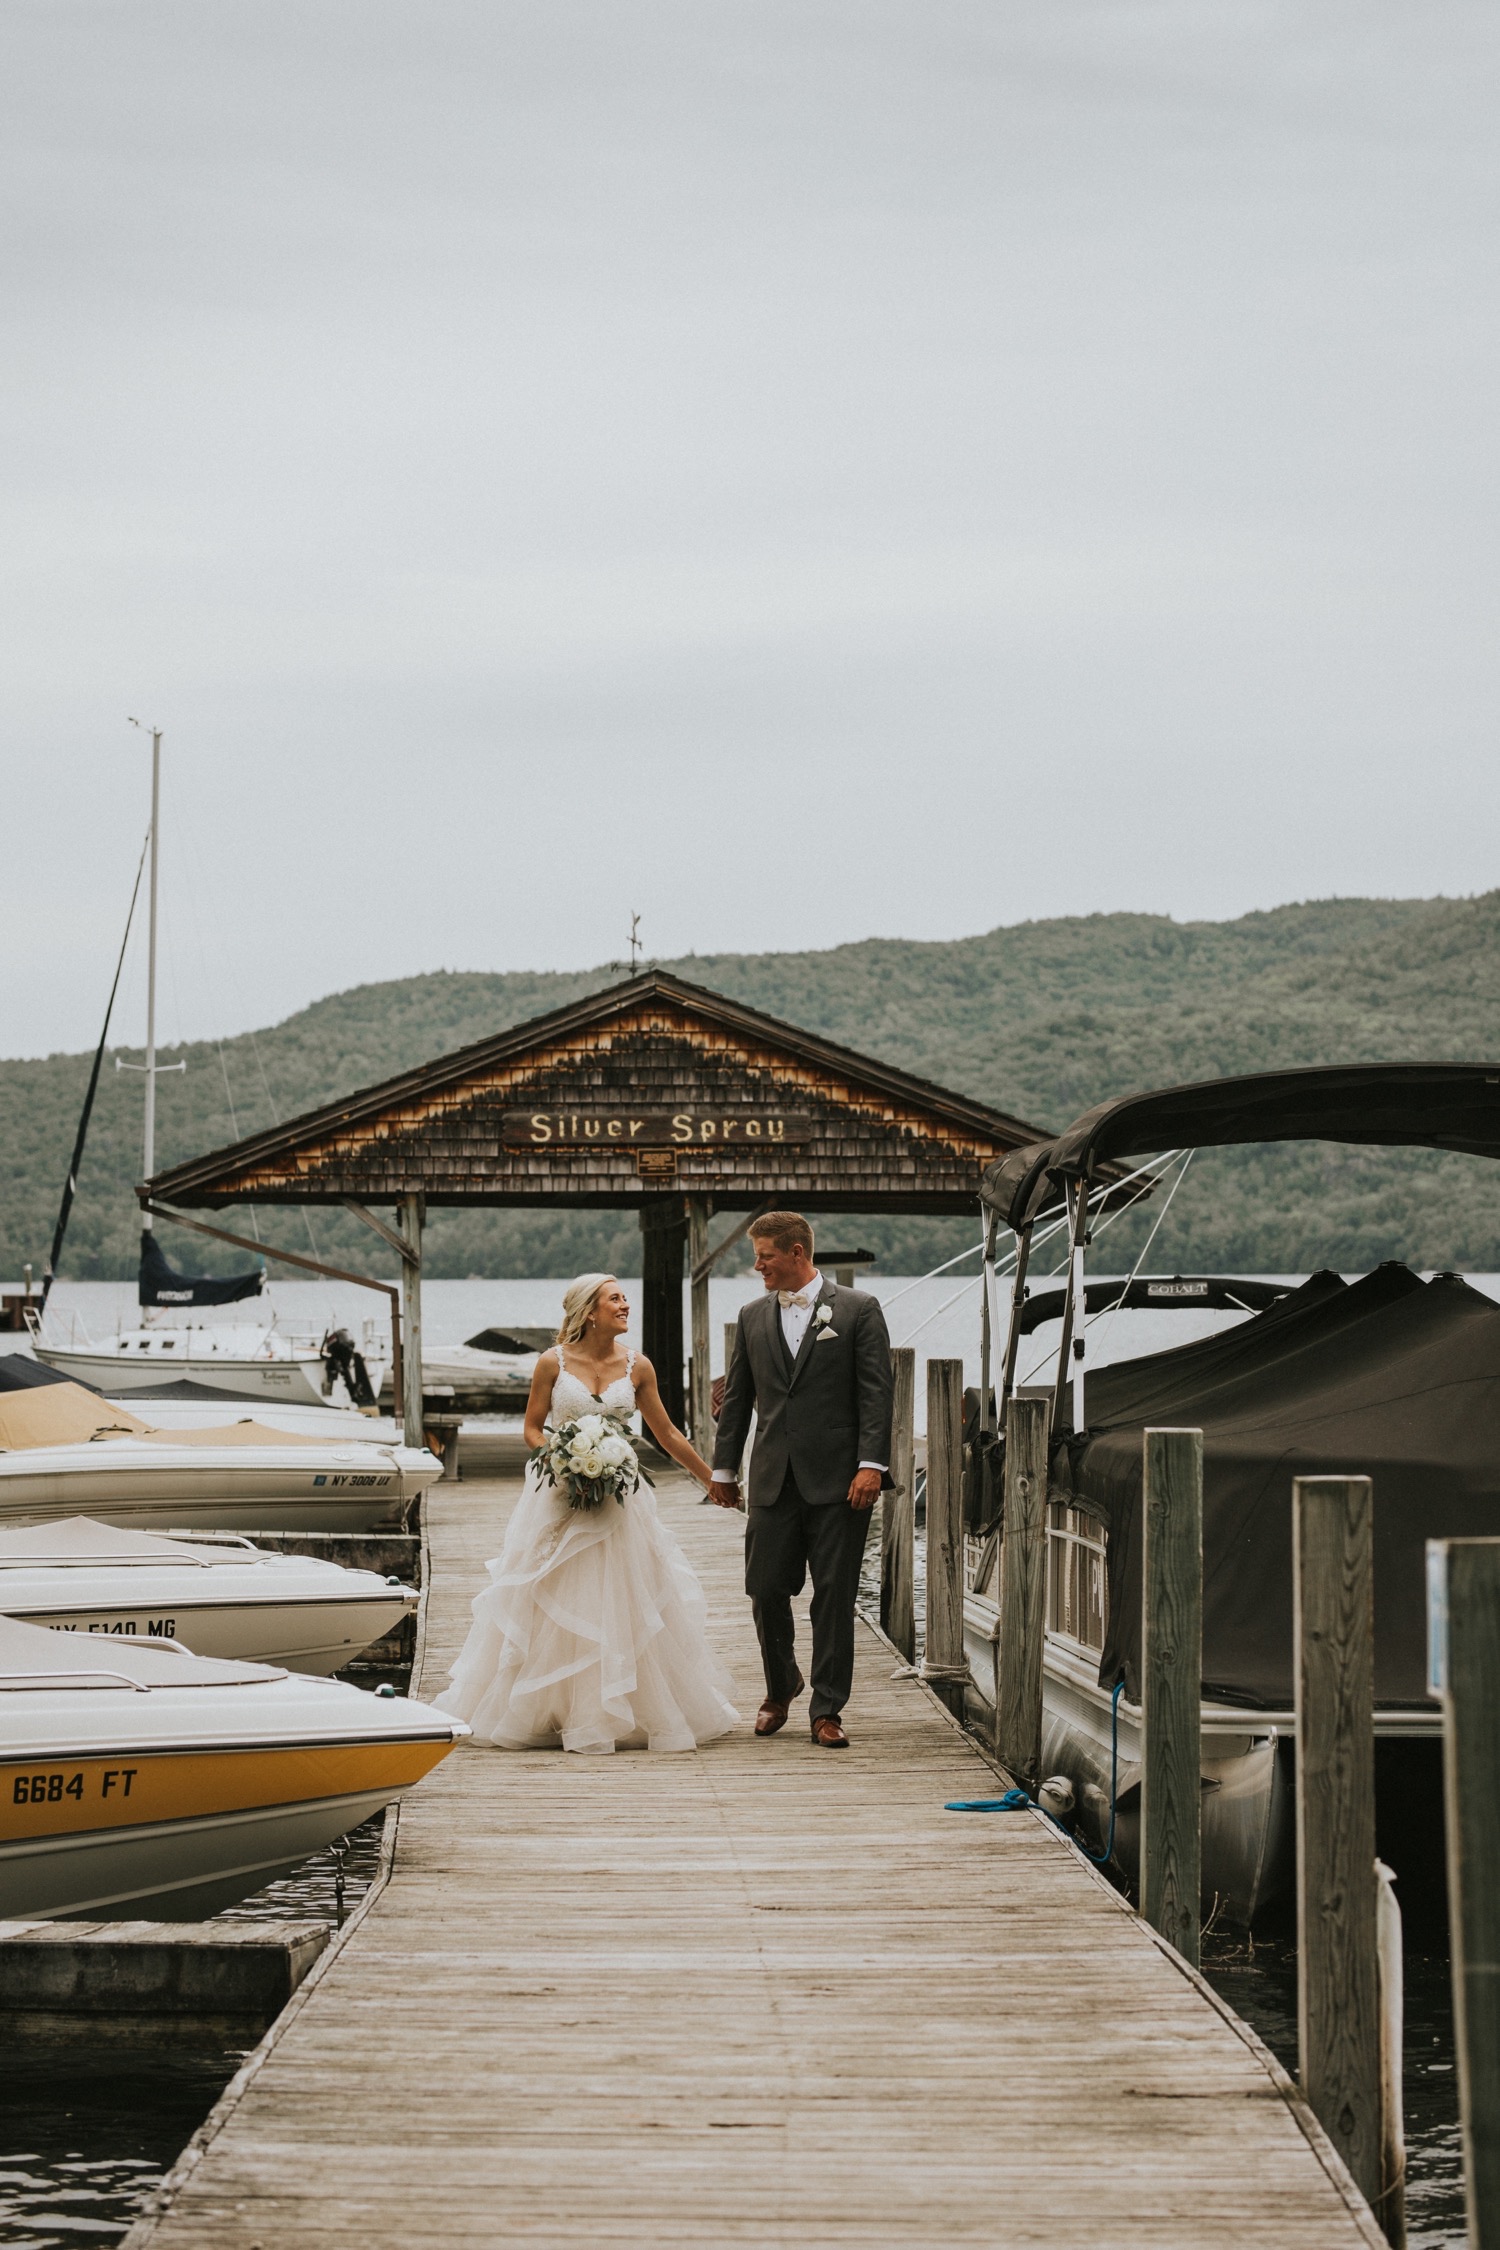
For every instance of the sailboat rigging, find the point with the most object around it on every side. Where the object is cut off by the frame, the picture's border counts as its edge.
(260, 1362)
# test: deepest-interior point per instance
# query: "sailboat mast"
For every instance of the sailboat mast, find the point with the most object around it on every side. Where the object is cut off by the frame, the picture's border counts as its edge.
(149, 1152)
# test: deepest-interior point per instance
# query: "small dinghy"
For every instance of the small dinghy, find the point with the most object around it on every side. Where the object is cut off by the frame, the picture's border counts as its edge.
(66, 1451)
(229, 1601)
(137, 1778)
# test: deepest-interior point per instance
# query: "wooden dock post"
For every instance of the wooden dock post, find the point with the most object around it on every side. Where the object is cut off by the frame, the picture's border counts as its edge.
(700, 1365)
(411, 1212)
(1172, 1686)
(1023, 1589)
(1338, 1999)
(1464, 1637)
(898, 1602)
(943, 1662)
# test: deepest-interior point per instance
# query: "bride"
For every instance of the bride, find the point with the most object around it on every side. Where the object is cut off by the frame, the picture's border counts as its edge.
(591, 1631)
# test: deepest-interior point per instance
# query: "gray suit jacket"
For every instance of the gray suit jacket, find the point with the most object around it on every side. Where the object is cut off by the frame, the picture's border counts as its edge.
(819, 1415)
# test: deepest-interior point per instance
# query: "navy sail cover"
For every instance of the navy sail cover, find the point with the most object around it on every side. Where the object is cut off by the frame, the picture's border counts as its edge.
(161, 1284)
(1387, 1377)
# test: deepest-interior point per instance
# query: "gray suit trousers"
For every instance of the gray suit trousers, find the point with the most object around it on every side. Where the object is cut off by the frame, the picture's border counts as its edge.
(782, 1544)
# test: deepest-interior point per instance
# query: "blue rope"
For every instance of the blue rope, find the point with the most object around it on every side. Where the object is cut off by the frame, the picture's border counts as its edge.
(1016, 1800)
(1102, 1859)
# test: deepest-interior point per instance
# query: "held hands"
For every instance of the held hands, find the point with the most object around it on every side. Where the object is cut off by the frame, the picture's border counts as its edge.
(865, 1489)
(724, 1495)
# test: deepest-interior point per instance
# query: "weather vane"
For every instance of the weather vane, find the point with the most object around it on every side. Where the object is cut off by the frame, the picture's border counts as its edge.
(635, 941)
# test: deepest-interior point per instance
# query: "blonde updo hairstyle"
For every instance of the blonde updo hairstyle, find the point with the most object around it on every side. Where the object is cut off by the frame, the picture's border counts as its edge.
(578, 1303)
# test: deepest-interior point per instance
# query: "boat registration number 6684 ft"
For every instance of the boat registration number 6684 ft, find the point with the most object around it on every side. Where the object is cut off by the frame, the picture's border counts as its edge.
(40, 1798)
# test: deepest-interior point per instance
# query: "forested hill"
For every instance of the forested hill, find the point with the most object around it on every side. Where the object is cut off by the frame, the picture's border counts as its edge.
(1042, 1019)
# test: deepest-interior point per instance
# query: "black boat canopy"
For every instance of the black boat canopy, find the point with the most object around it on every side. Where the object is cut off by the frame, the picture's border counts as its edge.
(1388, 1377)
(1156, 1293)
(1396, 1105)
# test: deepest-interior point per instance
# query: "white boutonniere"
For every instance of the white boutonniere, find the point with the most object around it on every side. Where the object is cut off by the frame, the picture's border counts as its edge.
(826, 1330)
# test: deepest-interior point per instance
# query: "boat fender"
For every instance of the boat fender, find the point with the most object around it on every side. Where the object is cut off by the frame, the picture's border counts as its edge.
(1057, 1800)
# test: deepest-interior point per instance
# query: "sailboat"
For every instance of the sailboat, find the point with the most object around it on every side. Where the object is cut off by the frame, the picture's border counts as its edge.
(264, 1361)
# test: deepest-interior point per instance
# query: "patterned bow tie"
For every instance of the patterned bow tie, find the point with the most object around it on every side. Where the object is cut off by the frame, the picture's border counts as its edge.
(801, 1297)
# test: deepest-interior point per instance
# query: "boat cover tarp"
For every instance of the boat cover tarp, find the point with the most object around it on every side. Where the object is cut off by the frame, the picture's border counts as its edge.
(18, 1373)
(517, 1342)
(255, 1433)
(78, 1540)
(1387, 1377)
(61, 1414)
(160, 1283)
(64, 1413)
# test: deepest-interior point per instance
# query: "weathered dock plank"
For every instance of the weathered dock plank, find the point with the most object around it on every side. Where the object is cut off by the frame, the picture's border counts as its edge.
(764, 1995)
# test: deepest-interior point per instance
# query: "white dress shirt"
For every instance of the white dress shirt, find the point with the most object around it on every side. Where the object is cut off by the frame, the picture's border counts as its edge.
(795, 1317)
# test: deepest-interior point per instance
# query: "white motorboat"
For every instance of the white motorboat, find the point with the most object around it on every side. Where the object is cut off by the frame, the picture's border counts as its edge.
(228, 1600)
(260, 1362)
(64, 1451)
(137, 1778)
(489, 1373)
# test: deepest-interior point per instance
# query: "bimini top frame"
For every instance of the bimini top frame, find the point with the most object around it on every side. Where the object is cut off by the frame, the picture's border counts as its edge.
(1453, 1106)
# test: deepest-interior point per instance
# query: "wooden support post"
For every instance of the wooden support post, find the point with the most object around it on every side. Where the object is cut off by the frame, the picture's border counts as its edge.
(1023, 1589)
(1338, 2002)
(663, 1240)
(943, 1661)
(1172, 1686)
(411, 1320)
(1464, 1631)
(898, 1605)
(700, 1365)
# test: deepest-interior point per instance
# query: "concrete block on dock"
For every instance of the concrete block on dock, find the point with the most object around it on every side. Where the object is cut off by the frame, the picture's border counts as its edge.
(131, 1983)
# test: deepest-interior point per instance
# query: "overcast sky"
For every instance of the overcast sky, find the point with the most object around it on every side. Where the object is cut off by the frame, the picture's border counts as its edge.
(801, 469)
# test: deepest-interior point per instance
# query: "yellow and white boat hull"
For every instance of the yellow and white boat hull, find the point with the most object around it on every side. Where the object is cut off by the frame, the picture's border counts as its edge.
(144, 1780)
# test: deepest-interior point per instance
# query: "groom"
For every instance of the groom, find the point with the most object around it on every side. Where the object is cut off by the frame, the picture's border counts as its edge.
(814, 1363)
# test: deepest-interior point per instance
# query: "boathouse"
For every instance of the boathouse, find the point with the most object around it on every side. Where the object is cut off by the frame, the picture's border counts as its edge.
(653, 1094)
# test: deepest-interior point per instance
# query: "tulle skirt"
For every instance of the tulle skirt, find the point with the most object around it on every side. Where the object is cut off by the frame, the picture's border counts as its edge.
(591, 1634)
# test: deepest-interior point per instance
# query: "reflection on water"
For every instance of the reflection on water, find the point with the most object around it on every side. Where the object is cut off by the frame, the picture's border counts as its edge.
(1258, 1978)
(325, 1888)
(83, 2142)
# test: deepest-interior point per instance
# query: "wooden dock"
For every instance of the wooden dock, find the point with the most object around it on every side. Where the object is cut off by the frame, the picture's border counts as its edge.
(764, 1995)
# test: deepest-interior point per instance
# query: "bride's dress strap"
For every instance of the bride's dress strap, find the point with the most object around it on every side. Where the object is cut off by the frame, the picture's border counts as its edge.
(629, 1366)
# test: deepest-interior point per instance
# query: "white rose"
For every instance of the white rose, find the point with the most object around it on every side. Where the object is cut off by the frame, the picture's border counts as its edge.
(591, 1427)
(593, 1465)
(614, 1450)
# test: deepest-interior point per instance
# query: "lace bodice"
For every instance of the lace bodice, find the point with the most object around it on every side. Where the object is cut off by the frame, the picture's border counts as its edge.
(571, 1395)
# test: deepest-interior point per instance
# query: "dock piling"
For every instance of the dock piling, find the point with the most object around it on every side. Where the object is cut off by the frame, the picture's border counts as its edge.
(1338, 2000)
(898, 1610)
(943, 1664)
(1464, 1664)
(1023, 1587)
(1172, 1686)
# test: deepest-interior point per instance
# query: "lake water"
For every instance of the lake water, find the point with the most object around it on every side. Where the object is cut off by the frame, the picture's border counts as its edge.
(938, 1316)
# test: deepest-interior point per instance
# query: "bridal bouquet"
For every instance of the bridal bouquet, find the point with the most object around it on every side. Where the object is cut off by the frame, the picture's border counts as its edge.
(590, 1459)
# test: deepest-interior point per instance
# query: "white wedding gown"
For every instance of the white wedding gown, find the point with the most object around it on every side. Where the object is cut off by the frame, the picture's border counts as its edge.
(591, 1633)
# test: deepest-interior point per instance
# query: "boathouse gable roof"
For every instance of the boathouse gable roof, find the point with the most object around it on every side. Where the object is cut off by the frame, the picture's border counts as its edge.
(651, 1084)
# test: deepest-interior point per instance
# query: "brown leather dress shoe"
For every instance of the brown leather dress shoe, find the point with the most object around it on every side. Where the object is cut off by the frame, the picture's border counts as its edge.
(772, 1716)
(829, 1735)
